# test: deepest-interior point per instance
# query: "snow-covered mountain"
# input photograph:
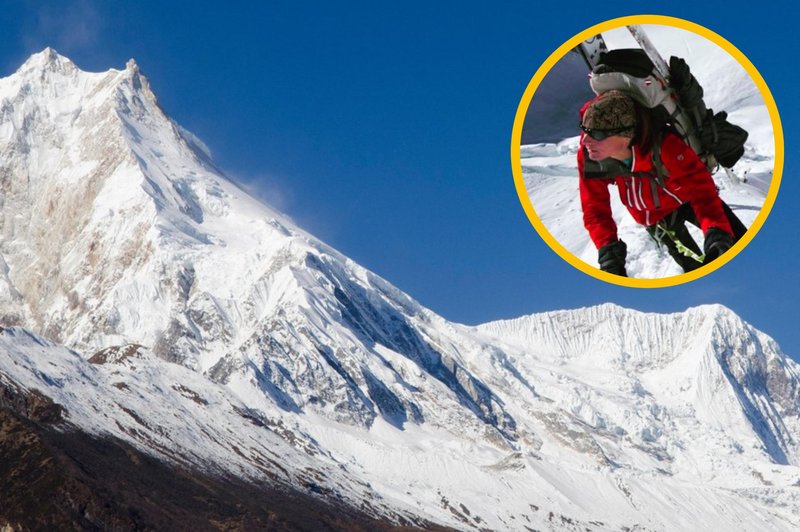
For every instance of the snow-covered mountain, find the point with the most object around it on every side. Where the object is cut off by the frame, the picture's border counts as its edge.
(161, 306)
(549, 154)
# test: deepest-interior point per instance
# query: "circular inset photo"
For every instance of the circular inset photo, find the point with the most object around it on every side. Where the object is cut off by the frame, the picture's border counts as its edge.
(647, 151)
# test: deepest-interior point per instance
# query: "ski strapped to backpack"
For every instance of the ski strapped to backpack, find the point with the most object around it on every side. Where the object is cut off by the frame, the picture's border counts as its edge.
(591, 49)
(674, 97)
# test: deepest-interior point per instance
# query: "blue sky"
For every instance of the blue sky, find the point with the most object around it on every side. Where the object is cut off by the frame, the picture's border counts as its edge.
(385, 131)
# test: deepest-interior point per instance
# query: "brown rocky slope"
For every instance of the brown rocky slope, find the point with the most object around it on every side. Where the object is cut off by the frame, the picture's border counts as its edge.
(55, 477)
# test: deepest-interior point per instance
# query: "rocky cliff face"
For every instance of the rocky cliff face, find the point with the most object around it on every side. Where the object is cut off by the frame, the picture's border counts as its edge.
(153, 306)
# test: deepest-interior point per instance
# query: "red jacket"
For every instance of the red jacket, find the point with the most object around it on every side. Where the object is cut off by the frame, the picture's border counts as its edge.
(688, 180)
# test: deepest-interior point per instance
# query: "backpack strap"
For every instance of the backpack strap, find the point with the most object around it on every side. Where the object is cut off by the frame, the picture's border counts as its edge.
(605, 169)
(661, 173)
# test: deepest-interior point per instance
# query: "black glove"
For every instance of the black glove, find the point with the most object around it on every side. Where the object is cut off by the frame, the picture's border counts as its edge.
(612, 258)
(723, 139)
(681, 79)
(717, 242)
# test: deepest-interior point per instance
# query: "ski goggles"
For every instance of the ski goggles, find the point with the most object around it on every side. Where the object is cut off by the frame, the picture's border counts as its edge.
(602, 134)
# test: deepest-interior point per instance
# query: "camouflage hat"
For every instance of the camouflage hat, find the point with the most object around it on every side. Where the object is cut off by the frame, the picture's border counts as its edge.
(611, 110)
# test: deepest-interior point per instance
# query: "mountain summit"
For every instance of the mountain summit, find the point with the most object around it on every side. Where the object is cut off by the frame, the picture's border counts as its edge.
(148, 300)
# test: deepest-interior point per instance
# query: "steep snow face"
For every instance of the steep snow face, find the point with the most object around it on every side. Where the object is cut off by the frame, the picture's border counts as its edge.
(80, 217)
(699, 375)
(118, 230)
(190, 303)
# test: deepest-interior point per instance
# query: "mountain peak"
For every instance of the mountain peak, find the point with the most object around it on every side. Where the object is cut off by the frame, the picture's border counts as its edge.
(137, 79)
(48, 60)
(131, 66)
(49, 66)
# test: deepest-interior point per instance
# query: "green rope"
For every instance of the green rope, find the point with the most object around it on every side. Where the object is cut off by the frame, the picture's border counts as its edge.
(681, 247)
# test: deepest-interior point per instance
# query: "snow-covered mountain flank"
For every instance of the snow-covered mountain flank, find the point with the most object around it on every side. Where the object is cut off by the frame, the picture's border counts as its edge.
(147, 300)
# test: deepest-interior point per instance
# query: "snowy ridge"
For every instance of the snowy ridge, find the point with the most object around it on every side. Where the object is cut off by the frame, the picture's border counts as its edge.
(699, 372)
(187, 318)
(609, 335)
(200, 424)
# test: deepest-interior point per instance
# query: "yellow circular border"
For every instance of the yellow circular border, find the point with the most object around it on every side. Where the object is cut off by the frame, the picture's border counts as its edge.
(516, 140)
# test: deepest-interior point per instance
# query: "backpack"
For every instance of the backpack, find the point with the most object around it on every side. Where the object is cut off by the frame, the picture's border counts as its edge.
(677, 107)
